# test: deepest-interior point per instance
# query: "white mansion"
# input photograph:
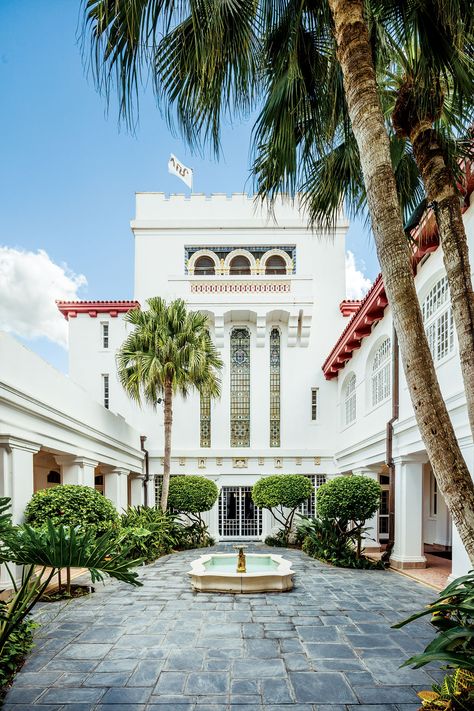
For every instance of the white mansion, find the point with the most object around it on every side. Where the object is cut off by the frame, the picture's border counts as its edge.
(311, 383)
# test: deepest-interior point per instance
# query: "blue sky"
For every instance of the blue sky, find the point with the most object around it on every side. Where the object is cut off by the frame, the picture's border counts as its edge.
(68, 172)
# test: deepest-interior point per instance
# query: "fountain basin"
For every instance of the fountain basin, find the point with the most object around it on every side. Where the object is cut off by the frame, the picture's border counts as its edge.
(266, 572)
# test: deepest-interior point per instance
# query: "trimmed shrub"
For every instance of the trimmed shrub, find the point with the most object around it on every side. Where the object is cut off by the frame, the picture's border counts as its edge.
(322, 540)
(72, 505)
(279, 492)
(349, 501)
(191, 495)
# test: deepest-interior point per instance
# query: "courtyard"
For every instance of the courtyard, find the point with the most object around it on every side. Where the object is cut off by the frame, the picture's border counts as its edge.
(325, 646)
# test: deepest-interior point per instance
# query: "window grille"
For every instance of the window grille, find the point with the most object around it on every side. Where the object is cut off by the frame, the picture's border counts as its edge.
(105, 335)
(381, 385)
(240, 388)
(314, 404)
(238, 515)
(106, 391)
(438, 320)
(433, 496)
(308, 508)
(275, 388)
(350, 402)
(205, 421)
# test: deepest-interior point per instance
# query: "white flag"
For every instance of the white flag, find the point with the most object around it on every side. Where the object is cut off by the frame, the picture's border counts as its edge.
(175, 167)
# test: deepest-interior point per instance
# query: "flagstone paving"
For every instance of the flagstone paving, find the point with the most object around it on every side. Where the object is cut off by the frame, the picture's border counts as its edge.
(325, 646)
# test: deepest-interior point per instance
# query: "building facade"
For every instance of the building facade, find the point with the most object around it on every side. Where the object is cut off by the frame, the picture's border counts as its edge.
(311, 382)
(271, 289)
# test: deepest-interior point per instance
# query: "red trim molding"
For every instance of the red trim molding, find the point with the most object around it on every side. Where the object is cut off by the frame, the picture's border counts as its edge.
(70, 309)
(349, 306)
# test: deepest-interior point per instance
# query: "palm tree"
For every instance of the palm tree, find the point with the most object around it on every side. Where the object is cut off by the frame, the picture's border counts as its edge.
(212, 58)
(168, 352)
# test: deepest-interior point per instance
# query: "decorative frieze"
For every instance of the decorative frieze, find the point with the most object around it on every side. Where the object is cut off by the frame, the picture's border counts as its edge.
(239, 462)
(240, 287)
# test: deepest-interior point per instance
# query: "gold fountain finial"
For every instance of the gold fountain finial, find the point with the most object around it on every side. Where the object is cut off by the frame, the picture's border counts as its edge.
(241, 562)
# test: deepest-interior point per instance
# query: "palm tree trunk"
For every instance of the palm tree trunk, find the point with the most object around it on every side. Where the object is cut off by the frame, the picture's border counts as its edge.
(168, 415)
(440, 189)
(355, 57)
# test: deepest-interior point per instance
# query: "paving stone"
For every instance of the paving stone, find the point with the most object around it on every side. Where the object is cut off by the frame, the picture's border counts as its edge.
(71, 695)
(106, 679)
(170, 683)
(329, 651)
(23, 694)
(262, 648)
(318, 634)
(185, 661)
(116, 665)
(276, 691)
(26, 678)
(386, 694)
(200, 683)
(244, 686)
(85, 651)
(257, 668)
(296, 662)
(321, 687)
(126, 695)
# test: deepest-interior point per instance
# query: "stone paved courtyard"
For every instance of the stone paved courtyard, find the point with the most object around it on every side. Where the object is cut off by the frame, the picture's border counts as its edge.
(325, 646)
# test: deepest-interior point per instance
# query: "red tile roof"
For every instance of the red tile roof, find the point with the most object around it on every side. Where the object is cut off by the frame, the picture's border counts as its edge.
(70, 309)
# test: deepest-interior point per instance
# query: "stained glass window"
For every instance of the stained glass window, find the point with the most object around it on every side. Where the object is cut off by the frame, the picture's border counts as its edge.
(205, 434)
(240, 388)
(275, 388)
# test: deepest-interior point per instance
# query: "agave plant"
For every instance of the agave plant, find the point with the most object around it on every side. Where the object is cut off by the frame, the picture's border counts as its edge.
(44, 552)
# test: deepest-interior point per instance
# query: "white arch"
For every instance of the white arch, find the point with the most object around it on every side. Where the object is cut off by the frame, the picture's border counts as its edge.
(276, 253)
(240, 253)
(202, 253)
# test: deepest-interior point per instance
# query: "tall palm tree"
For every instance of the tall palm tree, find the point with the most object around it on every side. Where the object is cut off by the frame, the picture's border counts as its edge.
(168, 352)
(210, 58)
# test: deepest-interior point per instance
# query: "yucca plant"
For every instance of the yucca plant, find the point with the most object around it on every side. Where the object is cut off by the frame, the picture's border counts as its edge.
(43, 553)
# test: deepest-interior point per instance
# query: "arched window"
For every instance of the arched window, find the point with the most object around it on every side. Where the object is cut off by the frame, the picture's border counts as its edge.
(204, 265)
(381, 373)
(239, 265)
(240, 388)
(275, 265)
(275, 388)
(438, 320)
(349, 400)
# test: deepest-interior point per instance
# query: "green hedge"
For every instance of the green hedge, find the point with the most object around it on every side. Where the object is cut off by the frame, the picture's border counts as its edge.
(349, 498)
(72, 505)
(192, 494)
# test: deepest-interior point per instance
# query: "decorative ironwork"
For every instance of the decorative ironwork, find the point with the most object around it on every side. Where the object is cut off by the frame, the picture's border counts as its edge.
(275, 388)
(221, 251)
(238, 515)
(205, 421)
(240, 388)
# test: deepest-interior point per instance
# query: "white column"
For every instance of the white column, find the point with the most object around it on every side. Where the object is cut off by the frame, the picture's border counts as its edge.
(17, 473)
(116, 488)
(150, 488)
(408, 548)
(136, 491)
(77, 470)
(372, 540)
(461, 563)
(16, 483)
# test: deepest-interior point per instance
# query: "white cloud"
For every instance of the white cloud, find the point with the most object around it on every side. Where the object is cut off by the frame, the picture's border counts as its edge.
(357, 285)
(29, 284)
